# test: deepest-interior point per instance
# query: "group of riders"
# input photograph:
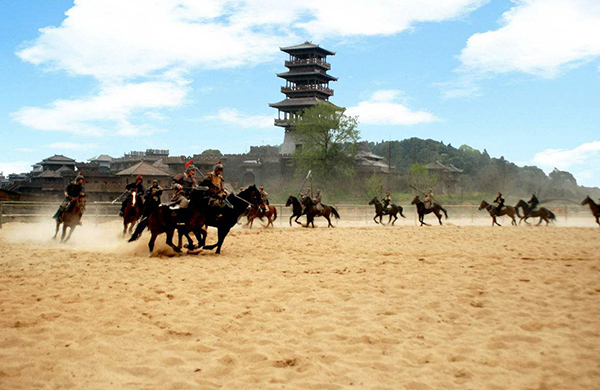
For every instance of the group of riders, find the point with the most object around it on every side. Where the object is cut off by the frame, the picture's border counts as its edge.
(182, 185)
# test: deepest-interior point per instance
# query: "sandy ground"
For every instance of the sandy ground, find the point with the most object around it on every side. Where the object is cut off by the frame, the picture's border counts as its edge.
(448, 307)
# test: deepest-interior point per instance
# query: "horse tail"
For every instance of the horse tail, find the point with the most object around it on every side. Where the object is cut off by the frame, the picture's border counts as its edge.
(335, 213)
(400, 211)
(274, 213)
(551, 215)
(445, 213)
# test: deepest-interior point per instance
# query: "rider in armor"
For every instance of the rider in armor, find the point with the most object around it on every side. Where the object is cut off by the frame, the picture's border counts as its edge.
(73, 191)
(187, 179)
(387, 200)
(429, 199)
(533, 202)
(216, 191)
(264, 196)
(137, 187)
(317, 201)
(499, 201)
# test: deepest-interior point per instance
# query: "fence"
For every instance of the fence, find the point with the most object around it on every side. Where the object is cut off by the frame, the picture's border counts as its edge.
(357, 214)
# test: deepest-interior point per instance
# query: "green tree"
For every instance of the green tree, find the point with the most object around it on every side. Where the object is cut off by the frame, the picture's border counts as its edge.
(420, 177)
(328, 140)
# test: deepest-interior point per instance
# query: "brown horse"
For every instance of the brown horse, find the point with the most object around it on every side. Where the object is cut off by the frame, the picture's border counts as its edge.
(594, 208)
(132, 212)
(256, 212)
(311, 212)
(380, 211)
(542, 212)
(421, 211)
(297, 209)
(507, 210)
(71, 217)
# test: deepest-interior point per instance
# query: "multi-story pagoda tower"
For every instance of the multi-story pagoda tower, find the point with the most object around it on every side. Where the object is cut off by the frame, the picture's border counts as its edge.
(306, 84)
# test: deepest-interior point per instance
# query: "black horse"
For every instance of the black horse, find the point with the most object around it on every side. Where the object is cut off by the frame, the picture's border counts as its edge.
(311, 212)
(594, 208)
(421, 210)
(297, 209)
(542, 212)
(380, 211)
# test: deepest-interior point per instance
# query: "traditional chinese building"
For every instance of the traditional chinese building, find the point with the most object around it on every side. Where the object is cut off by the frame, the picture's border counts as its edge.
(306, 84)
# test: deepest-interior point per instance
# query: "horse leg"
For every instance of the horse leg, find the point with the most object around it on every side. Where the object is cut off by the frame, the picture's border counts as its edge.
(151, 242)
(64, 232)
(395, 219)
(328, 221)
(70, 232)
(170, 241)
(439, 217)
(299, 223)
(57, 227)
(291, 220)
(375, 219)
(124, 227)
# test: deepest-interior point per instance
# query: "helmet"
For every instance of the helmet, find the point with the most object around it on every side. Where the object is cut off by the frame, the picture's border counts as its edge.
(154, 181)
(219, 166)
(190, 168)
(79, 177)
(139, 177)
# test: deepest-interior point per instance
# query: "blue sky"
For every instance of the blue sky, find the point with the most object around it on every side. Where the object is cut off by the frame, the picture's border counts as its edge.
(518, 78)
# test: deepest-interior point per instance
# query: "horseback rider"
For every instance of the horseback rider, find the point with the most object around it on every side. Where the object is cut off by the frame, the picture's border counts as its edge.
(264, 196)
(387, 200)
(73, 191)
(187, 179)
(499, 201)
(317, 201)
(216, 191)
(533, 202)
(429, 199)
(154, 192)
(137, 187)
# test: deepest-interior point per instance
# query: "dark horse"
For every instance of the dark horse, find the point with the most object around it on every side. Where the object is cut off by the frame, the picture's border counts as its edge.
(421, 210)
(542, 212)
(311, 212)
(70, 218)
(594, 208)
(227, 217)
(256, 212)
(297, 209)
(380, 211)
(507, 210)
(132, 212)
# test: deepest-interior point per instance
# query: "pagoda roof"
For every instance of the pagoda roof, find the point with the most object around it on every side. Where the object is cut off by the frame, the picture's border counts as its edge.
(300, 103)
(306, 46)
(102, 157)
(315, 73)
(438, 166)
(142, 168)
(58, 159)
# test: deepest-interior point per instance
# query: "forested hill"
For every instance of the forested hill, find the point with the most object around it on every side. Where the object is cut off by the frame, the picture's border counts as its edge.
(482, 172)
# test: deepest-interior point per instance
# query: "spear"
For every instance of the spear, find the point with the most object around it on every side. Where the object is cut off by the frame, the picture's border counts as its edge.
(304, 182)
(421, 192)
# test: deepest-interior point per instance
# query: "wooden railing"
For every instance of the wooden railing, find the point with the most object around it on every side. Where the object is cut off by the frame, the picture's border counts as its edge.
(308, 61)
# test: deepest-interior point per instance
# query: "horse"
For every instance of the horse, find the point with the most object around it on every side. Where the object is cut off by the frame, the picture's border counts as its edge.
(542, 212)
(507, 210)
(297, 209)
(594, 208)
(421, 210)
(71, 217)
(380, 211)
(312, 212)
(255, 212)
(132, 212)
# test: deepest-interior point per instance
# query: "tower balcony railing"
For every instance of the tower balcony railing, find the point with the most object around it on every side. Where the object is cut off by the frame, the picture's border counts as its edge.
(309, 87)
(282, 122)
(308, 61)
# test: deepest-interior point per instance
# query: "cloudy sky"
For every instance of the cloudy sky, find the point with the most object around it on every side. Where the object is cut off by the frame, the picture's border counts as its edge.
(519, 78)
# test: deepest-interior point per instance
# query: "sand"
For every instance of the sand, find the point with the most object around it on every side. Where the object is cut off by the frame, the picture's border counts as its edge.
(374, 307)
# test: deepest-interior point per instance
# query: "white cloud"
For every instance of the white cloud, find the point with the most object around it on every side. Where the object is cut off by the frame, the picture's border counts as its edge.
(135, 48)
(15, 167)
(25, 150)
(383, 109)
(234, 117)
(71, 146)
(109, 111)
(539, 37)
(585, 154)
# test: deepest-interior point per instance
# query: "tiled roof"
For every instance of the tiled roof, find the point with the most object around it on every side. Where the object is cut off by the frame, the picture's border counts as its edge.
(142, 168)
